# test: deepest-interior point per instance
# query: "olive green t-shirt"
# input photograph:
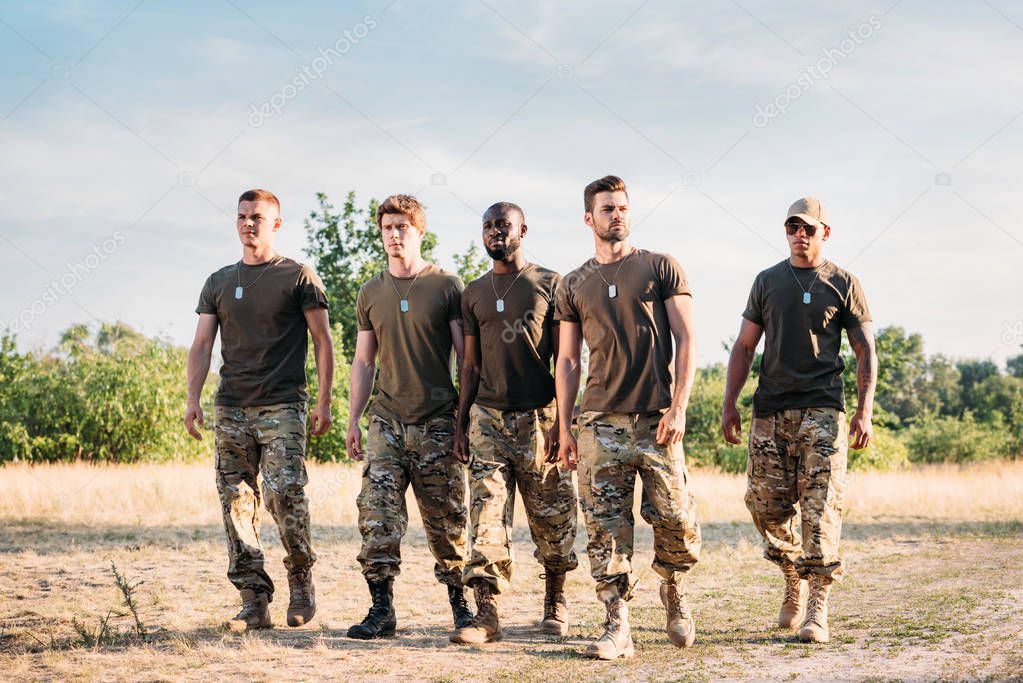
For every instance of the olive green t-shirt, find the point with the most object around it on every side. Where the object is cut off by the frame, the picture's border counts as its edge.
(802, 362)
(628, 335)
(263, 335)
(414, 347)
(516, 344)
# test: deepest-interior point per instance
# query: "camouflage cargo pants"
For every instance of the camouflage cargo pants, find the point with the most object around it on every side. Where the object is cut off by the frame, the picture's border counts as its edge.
(508, 450)
(266, 442)
(613, 449)
(795, 482)
(398, 455)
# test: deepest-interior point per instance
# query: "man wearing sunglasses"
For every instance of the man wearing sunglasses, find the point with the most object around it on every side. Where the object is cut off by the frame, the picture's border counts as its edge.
(798, 440)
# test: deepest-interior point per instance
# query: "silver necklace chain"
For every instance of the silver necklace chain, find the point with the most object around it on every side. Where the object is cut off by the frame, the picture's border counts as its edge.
(615, 277)
(269, 263)
(493, 283)
(816, 274)
(405, 298)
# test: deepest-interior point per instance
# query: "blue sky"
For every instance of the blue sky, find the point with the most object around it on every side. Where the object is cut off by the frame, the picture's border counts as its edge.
(127, 132)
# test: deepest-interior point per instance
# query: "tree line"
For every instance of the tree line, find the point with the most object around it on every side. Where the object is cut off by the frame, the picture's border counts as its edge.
(111, 394)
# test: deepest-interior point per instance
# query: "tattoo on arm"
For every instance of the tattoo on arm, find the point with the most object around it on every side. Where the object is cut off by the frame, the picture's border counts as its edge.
(861, 339)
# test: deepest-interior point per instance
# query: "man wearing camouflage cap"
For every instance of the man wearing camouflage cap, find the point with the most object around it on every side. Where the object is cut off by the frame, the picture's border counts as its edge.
(798, 441)
(507, 426)
(263, 306)
(629, 305)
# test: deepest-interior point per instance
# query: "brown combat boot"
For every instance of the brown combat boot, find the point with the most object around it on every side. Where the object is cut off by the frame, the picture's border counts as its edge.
(681, 626)
(555, 608)
(485, 626)
(302, 607)
(815, 626)
(793, 605)
(616, 640)
(255, 613)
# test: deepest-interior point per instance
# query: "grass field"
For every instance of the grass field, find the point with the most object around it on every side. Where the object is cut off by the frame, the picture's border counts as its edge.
(934, 588)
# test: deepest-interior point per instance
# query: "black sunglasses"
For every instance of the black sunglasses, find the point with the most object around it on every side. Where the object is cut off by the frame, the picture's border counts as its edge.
(793, 228)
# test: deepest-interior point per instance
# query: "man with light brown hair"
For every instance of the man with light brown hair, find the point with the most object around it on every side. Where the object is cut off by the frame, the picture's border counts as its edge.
(263, 307)
(410, 319)
(629, 305)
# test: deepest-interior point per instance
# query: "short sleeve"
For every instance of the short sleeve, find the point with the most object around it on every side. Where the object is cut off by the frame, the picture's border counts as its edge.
(309, 290)
(470, 323)
(755, 304)
(671, 278)
(207, 303)
(564, 305)
(555, 285)
(856, 311)
(455, 298)
(362, 309)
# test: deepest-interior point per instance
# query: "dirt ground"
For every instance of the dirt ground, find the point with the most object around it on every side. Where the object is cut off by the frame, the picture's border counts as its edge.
(934, 589)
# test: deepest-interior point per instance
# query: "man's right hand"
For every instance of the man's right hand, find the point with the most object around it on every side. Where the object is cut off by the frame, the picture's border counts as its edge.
(354, 443)
(461, 446)
(568, 450)
(193, 415)
(731, 424)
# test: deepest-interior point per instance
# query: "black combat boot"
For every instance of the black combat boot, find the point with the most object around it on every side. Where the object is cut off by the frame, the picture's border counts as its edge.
(380, 621)
(459, 606)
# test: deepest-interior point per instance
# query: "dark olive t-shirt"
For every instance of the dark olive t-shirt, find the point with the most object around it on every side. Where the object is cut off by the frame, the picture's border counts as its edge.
(263, 335)
(414, 347)
(628, 336)
(802, 363)
(516, 344)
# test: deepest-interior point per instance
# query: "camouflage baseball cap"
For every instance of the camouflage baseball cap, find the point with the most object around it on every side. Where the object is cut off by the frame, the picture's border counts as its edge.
(810, 210)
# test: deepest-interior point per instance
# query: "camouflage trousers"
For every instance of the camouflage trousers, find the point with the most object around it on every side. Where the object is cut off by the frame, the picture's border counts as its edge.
(613, 449)
(795, 481)
(398, 455)
(508, 450)
(266, 442)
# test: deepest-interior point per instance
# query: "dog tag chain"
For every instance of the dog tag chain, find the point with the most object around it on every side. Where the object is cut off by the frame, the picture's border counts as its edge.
(806, 292)
(612, 288)
(500, 297)
(403, 300)
(239, 291)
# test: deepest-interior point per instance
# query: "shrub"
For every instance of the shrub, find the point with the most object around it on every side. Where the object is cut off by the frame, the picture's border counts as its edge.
(946, 439)
(885, 452)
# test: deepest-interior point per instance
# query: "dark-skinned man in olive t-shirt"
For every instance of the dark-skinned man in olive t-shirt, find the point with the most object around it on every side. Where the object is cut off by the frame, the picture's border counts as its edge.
(629, 305)
(410, 319)
(507, 427)
(798, 441)
(263, 306)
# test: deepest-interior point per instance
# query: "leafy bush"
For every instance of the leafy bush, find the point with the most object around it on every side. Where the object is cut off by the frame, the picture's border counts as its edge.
(885, 452)
(947, 439)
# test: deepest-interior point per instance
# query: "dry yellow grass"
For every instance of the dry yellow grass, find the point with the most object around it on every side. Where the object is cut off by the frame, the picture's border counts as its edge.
(933, 589)
(167, 495)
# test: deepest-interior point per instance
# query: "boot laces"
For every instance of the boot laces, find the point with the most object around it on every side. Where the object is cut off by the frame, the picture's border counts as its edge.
(792, 586)
(817, 602)
(677, 601)
(299, 590)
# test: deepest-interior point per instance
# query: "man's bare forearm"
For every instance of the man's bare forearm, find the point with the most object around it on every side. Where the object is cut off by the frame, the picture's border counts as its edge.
(323, 349)
(740, 361)
(685, 374)
(361, 380)
(566, 377)
(861, 339)
(469, 384)
(198, 371)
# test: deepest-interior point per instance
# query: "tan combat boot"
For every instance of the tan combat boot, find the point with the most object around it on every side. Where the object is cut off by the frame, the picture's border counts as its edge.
(793, 605)
(485, 626)
(255, 613)
(302, 607)
(616, 640)
(815, 626)
(681, 626)
(555, 608)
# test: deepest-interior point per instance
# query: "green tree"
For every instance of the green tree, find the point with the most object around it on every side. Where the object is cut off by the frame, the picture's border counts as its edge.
(902, 367)
(939, 391)
(1015, 366)
(973, 371)
(347, 250)
(471, 264)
